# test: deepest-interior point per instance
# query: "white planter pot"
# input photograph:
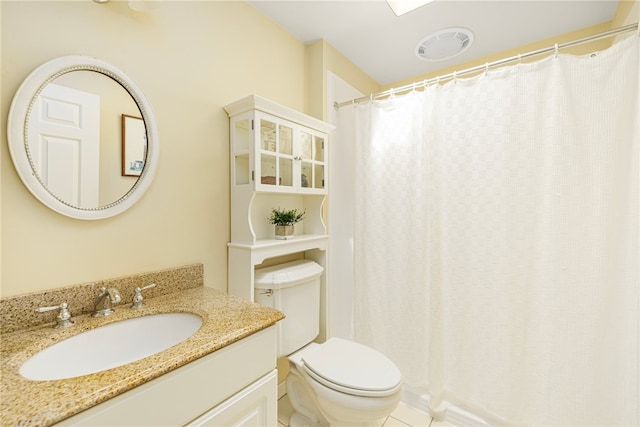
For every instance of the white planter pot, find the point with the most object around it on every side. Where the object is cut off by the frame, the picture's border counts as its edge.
(284, 232)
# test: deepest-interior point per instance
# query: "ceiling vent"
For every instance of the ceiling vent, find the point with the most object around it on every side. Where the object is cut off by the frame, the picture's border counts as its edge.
(444, 44)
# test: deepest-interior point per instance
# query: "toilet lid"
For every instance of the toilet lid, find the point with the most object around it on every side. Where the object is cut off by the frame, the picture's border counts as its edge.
(352, 368)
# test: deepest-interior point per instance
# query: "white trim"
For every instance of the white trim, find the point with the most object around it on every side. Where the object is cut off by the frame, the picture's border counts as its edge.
(455, 415)
(282, 389)
(255, 102)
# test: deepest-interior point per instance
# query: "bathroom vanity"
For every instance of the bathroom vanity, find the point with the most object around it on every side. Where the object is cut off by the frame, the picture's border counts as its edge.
(224, 374)
(233, 386)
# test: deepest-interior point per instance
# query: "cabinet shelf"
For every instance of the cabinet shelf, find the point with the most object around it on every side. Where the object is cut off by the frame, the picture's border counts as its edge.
(243, 258)
(269, 248)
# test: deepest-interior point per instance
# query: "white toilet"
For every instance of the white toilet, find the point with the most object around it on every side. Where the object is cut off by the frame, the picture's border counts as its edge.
(336, 383)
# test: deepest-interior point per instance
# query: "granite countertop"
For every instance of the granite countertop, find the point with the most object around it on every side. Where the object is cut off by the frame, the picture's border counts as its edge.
(226, 319)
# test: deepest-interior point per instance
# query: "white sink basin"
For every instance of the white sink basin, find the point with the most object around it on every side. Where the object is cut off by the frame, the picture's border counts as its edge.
(109, 346)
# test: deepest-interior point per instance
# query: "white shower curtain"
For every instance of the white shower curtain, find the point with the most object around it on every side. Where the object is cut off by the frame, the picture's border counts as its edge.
(497, 239)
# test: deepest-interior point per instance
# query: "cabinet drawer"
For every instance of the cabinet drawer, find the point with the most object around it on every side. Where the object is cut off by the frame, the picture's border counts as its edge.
(183, 394)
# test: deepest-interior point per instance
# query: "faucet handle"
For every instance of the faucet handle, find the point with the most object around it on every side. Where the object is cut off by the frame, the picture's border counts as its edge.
(137, 297)
(63, 318)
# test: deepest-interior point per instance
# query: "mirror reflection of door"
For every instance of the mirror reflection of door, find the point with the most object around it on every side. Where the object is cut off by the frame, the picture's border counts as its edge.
(64, 142)
(114, 101)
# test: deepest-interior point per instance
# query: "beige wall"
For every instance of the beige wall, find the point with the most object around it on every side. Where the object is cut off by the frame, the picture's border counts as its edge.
(322, 58)
(628, 12)
(190, 59)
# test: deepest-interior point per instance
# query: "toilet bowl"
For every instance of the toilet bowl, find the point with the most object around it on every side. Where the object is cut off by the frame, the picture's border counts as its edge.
(336, 383)
(342, 383)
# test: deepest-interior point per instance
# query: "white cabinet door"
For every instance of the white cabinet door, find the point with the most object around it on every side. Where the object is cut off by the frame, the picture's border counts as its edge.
(290, 158)
(254, 406)
(311, 156)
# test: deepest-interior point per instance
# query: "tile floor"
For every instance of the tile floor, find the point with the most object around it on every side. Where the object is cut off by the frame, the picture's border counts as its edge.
(403, 416)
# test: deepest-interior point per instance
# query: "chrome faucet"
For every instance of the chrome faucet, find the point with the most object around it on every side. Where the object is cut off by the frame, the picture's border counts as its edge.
(105, 301)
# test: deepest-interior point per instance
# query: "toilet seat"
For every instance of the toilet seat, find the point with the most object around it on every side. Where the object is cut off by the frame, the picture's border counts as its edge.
(351, 368)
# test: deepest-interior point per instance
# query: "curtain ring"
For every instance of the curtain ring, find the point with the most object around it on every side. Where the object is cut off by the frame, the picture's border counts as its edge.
(455, 77)
(556, 51)
(486, 68)
(519, 59)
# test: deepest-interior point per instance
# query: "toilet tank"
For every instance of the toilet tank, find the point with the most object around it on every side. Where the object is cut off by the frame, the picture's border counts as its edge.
(293, 288)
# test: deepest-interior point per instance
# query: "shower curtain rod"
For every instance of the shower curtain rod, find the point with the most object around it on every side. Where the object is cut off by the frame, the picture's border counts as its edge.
(455, 74)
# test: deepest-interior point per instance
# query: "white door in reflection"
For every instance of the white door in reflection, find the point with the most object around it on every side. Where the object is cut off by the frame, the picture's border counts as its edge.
(64, 142)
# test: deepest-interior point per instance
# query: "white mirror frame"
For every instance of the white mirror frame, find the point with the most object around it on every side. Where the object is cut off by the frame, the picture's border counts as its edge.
(19, 113)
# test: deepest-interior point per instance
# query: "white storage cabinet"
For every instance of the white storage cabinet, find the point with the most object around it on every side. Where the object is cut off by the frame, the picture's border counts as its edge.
(278, 159)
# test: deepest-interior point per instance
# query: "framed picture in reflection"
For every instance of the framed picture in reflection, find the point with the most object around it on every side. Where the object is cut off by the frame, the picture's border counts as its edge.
(134, 145)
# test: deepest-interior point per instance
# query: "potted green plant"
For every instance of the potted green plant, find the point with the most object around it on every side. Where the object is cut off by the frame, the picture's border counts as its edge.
(284, 220)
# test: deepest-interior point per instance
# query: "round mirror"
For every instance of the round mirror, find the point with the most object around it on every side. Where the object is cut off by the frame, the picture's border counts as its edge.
(83, 138)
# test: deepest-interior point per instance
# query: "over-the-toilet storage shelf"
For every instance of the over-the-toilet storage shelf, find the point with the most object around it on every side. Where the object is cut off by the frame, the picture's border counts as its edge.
(278, 159)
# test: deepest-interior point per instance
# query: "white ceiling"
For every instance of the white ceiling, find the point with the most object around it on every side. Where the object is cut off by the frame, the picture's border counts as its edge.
(383, 45)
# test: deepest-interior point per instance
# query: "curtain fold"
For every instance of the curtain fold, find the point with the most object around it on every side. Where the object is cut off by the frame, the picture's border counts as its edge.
(497, 239)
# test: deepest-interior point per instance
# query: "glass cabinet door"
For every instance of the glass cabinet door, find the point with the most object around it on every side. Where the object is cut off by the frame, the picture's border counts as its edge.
(318, 153)
(267, 152)
(289, 158)
(312, 161)
(276, 154)
(240, 162)
(306, 157)
(285, 154)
